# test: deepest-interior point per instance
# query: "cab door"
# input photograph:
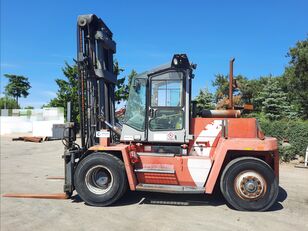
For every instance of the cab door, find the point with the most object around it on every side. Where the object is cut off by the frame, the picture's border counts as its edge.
(166, 108)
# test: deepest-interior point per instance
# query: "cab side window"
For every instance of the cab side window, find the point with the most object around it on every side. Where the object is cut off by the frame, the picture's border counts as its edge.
(166, 93)
(167, 102)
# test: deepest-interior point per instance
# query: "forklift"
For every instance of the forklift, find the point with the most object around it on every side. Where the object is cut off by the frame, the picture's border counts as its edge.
(164, 144)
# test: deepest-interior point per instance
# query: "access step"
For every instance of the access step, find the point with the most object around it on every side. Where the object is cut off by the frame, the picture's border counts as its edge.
(155, 170)
(162, 188)
(155, 154)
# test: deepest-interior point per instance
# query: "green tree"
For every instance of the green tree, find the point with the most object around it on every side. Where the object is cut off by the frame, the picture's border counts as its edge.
(68, 88)
(130, 77)
(296, 76)
(8, 103)
(274, 101)
(221, 82)
(242, 90)
(29, 107)
(256, 86)
(205, 100)
(17, 87)
(67, 91)
(122, 88)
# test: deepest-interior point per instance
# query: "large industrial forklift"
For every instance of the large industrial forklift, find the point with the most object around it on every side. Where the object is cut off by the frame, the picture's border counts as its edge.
(164, 144)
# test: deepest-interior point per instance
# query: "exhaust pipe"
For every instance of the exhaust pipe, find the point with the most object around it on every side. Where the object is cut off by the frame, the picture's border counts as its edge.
(231, 104)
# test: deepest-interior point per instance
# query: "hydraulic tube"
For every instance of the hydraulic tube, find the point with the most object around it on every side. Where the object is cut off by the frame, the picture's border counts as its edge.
(115, 129)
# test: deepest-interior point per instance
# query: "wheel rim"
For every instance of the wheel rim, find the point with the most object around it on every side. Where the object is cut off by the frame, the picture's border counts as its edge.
(250, 185)
(99, 179)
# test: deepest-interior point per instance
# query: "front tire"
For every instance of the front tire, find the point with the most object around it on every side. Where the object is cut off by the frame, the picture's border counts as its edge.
(249, 184)
(100, 179)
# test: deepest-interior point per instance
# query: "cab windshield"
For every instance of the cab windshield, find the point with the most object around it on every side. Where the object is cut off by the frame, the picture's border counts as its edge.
(136, 105)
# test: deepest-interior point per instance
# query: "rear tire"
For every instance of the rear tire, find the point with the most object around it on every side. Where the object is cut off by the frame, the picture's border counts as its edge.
(249, 184)
(100, 179)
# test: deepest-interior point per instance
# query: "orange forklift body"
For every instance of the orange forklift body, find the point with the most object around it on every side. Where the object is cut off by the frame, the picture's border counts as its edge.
(166, 142)
(216, 142)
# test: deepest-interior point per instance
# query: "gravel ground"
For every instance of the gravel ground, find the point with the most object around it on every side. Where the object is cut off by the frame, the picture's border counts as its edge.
(25, 166)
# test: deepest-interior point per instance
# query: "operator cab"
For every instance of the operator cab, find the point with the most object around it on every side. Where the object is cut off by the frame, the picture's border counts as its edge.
(158, 107)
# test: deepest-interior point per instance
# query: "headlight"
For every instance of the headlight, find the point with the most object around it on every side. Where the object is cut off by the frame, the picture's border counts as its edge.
(175, 61)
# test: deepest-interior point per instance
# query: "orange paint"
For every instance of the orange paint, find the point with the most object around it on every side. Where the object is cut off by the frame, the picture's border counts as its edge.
(238, 134)
(269, 144)
(56, 196)
(177, 163)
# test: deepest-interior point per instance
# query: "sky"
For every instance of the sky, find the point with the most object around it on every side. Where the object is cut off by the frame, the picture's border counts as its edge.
(38, 36)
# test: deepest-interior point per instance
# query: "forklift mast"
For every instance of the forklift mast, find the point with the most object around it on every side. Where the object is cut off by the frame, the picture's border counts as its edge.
(95, 50)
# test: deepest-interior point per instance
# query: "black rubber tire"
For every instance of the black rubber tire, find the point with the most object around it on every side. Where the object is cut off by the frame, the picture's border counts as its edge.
(239, 165)
(118, 187)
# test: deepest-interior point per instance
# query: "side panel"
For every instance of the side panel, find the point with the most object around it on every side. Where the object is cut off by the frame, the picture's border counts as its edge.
(241, 128)
(171, 166)
(130, 134)
(199, 169)
(207, 132)
(181, 170)
(224, 145)
(188, 170)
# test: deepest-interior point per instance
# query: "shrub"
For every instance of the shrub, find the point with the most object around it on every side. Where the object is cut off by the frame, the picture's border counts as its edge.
(287, 152)
(295, 132)
(8, 103)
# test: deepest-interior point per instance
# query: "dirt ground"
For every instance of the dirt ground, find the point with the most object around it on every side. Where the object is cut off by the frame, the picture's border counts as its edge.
(25, 166)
